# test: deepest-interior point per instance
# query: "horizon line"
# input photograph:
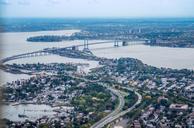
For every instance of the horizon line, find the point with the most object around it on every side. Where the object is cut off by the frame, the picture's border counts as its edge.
(99, 17)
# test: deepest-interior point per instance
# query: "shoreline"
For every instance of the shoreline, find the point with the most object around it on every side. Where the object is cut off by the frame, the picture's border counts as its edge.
(40, 31)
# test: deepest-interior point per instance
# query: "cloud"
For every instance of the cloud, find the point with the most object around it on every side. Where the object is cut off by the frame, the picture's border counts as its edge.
(23, 2)
(20, 2)
(54, 1)
(5, 2)
(98, 8)
(93, 2)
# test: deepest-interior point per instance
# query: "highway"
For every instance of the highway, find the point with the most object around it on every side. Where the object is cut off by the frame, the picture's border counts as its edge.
(108, 119)
(116, 111)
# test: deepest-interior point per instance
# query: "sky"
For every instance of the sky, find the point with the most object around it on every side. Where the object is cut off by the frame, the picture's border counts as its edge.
(97, 8)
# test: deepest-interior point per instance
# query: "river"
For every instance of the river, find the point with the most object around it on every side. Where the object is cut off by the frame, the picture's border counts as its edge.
(32, 111)
(177, 58)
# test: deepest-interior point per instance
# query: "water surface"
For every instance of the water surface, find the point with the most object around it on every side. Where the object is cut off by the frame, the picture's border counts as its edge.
(33, 111)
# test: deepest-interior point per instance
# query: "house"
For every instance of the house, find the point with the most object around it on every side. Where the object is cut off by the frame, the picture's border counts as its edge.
(189, 91)
(179, 107)
(136, 124)
(190, 121)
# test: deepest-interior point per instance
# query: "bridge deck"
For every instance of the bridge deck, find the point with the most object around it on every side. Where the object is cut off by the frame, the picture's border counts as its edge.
(49, 50)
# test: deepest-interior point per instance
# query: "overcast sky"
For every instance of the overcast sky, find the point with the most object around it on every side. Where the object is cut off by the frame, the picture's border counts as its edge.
(97, 8)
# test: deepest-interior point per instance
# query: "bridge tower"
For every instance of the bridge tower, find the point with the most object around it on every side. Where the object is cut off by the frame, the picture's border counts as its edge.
(124, 43)
(86, 45)
(116, 43)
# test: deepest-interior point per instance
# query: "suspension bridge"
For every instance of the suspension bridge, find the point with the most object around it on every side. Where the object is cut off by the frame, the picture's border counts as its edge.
(85, 46)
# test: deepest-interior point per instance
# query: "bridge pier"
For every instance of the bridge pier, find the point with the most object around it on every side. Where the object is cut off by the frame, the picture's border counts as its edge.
(26, 55)
(38, 54)
(42, 53)
(75, 48)
(35, 54)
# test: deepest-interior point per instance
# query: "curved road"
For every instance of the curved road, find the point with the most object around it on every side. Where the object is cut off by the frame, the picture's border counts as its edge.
(115, 112)
(111, 118)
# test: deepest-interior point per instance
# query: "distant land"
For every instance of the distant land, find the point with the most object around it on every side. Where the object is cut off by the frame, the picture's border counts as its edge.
(45, 24)
(168, 32)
